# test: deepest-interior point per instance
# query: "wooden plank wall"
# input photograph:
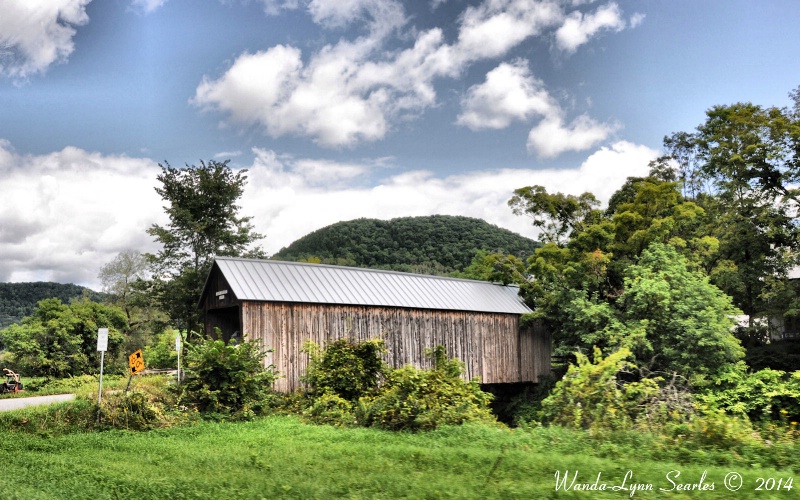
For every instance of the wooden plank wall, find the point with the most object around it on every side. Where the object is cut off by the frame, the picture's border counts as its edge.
(491, 345)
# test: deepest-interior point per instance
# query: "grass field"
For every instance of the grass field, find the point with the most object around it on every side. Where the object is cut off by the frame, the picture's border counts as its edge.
(280, 457)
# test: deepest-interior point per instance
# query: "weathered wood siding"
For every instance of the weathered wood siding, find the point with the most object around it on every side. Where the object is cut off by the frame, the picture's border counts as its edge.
(491, 345)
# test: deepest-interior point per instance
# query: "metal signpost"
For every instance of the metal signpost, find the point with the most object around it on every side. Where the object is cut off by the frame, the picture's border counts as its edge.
(102, 347)
(178, 349)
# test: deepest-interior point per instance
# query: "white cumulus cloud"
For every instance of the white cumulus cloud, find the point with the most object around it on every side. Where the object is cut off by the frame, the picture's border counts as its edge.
(65, 214)
(578, 27)
(355, 90)
(494, 27)
(509, 93)
(37, 33)
(551, 136)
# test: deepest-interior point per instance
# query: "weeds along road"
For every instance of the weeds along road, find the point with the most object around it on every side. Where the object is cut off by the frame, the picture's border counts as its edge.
(17, 403)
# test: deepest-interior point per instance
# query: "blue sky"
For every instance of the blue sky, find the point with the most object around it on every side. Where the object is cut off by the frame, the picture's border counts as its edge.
(350, 108)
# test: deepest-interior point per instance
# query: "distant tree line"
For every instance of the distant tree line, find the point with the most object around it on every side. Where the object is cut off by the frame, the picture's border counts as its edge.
(18, 300)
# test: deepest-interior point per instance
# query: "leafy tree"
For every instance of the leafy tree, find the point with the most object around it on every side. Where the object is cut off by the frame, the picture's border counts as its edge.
(126, 280)
(204, 222)
(494, 267)
(603, 244)
(60, 340)
(119, 275)
(687, 320)
(633, 276)
(555, 214)
(742, 166)
(670, 317)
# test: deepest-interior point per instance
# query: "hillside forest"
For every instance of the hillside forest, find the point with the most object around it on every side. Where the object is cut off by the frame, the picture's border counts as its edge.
(438, 244)
(18, 300)
(659, 302)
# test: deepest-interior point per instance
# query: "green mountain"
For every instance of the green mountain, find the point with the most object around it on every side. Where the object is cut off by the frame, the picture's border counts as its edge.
(436, 244)
(18, 300)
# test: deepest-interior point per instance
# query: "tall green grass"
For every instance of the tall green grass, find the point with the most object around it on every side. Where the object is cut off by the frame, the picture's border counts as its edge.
(280, 457)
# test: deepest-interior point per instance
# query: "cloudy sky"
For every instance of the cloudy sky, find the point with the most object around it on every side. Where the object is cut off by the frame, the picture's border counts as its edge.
(350, 108)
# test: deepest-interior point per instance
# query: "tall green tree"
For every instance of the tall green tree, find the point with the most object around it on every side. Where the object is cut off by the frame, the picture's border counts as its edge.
(119, 278)
(742, 166)
(126, 280)
(555, 214)
(603, 244)
(494, 267)
(670, 316)
(204, 222)
(60, 340)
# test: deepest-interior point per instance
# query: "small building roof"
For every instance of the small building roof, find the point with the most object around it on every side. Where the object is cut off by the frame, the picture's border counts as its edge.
(277, 281)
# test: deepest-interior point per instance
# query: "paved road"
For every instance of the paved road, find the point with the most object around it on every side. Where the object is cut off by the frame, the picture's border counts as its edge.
(17, 403)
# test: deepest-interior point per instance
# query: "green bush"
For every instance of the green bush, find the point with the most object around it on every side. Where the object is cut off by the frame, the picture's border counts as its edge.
(592, 396)
(329, 408)
(414, 399)
(761, 396)
(347, 368)
(131, 411)
(160, 353)
(226, 379)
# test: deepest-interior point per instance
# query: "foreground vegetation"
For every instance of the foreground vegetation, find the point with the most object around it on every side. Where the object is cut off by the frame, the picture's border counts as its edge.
(223, 434)
(281, 457)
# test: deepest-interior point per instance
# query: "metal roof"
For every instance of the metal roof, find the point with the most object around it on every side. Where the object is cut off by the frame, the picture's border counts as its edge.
(277, 281)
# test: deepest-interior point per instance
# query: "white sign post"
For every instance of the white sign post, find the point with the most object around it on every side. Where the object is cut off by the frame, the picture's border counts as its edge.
(178, 350)
(102, 347)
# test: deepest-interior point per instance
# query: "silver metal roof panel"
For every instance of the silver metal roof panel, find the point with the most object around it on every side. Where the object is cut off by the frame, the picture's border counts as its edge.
(277, 281)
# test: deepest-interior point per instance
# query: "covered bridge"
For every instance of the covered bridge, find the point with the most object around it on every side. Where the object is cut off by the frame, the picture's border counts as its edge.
(285, 304)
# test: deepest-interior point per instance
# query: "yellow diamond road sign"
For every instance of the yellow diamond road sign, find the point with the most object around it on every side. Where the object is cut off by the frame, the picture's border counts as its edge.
(136, 362)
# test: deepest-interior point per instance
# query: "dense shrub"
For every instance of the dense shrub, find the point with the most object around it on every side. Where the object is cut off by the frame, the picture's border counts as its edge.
(592, 395)
(226, 379)
(347, 368)
(761, 396)
(131, 411)
(329, 408)
(414, 399)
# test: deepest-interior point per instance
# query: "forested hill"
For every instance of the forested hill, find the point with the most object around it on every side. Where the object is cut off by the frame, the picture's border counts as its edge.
(18, 300)
(436, 244)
